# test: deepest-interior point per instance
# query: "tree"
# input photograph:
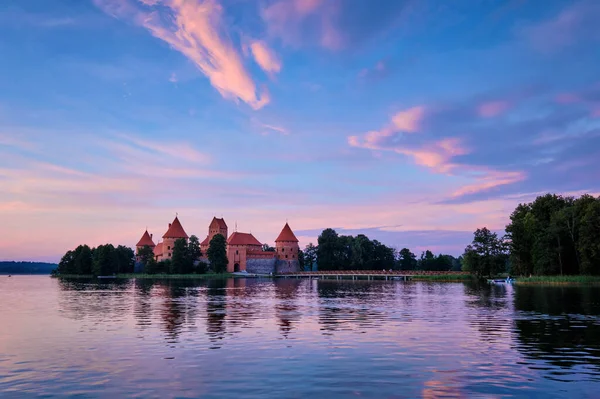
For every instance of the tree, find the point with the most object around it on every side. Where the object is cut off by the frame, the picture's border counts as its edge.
(67, 263)
(180, 259)
(310, 257)
(407, 260)
(268, 248)
(104, 260)
(124, 259)
(328, 250)
(486, 255)
(146, 255)
(217, 254)
(301, 259)
(83, 260)
(194, 253)
(589, 239)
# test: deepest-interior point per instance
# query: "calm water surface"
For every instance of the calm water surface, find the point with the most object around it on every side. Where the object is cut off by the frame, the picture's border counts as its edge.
(296, 339)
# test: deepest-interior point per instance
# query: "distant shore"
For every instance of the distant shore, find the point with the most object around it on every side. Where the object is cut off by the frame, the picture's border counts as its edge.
(150, 276)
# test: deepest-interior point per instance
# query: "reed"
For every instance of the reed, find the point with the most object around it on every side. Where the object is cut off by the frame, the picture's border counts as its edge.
(558, 280)
(442, 277)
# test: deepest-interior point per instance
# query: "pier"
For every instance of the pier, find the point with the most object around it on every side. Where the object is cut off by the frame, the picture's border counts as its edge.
(404, 275)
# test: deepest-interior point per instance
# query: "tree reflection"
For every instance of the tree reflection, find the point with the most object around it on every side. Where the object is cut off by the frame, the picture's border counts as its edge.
(559, 325)
(179, 306)
(96, 299)
(216, 305)
(286, 308)
(348, 305)
(493, 318)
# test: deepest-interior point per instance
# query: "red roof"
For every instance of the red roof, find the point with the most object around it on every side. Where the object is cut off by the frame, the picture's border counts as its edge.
(286, 234)
(145, 240)
(175, 230)
(205, 242)
(158, 249)
(242, 239)
(220, 223)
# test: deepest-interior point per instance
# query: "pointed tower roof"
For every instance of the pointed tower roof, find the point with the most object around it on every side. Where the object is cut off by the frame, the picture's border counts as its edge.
(175, 230)
(219, 222)
(286, 234)
(145, 240)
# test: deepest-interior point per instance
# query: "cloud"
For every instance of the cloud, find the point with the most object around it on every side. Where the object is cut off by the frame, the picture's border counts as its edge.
(196, 29)
(492, 108)
(576, 23)
(331, 24)
(265, 57)
(409, 120)
(440, 155)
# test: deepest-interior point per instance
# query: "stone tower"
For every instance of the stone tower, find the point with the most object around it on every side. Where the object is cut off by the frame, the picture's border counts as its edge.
(146, 240)
(286, 245)
(174, 233)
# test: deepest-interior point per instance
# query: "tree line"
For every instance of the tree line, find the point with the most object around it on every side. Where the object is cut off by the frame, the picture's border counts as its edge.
(103, 260)
(346, 252)
(108, 260)
(553, 235)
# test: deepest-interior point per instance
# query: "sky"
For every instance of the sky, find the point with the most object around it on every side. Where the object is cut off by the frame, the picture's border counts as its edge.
(412, 121)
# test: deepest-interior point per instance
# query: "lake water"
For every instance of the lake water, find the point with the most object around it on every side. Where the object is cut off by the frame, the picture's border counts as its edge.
(292, 338)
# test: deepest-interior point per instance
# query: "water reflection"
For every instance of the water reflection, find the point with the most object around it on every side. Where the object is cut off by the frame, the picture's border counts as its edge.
(560, 326)
(286, 308)
(361, 338)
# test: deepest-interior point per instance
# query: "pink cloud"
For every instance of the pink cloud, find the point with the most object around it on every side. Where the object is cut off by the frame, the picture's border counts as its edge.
(490, 179)
(285, 19)
(596, 113)
(492, 108)
(409, 120)
(265, 57)
(567, 98)
(197, 31)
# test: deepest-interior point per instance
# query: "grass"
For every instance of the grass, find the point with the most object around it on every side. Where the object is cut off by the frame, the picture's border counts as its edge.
(558, 280)
(442, 277)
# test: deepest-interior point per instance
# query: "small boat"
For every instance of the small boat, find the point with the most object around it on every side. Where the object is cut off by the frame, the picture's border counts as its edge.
(9, 275)
(502, 281)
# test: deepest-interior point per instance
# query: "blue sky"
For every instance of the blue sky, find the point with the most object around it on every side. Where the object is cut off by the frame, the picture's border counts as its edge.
(401, 119)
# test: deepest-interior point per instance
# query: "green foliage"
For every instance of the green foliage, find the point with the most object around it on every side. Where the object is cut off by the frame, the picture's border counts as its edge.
(407, 260)
(350, 253)
(100, 261)
(194, 252)
(104, 261)
(217, 254)
(310, 257)
(301, 259)
(555, 235)
(180, 260)
(146, 258)
(486, 255)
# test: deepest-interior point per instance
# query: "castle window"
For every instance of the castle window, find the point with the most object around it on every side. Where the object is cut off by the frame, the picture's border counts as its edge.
(236, 252)
(169, 248)
(286, 256)
(293, 256)
(169, 254)
(283, 250)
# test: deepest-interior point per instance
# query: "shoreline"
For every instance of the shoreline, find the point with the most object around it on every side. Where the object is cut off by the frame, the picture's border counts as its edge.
(558, 280)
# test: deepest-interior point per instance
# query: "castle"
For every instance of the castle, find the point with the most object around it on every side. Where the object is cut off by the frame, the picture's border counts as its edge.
(244, 251)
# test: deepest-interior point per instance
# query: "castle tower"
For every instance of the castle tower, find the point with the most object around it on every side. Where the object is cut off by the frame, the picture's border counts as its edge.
(174, 233)
(145, 241)
(216, 226)
(286, 244)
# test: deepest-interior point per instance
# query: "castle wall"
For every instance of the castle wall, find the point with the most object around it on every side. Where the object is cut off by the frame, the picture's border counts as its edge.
(287, 266)
(261, 265)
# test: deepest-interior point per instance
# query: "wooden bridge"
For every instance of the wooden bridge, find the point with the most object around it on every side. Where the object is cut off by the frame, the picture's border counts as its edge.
(404, 275)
